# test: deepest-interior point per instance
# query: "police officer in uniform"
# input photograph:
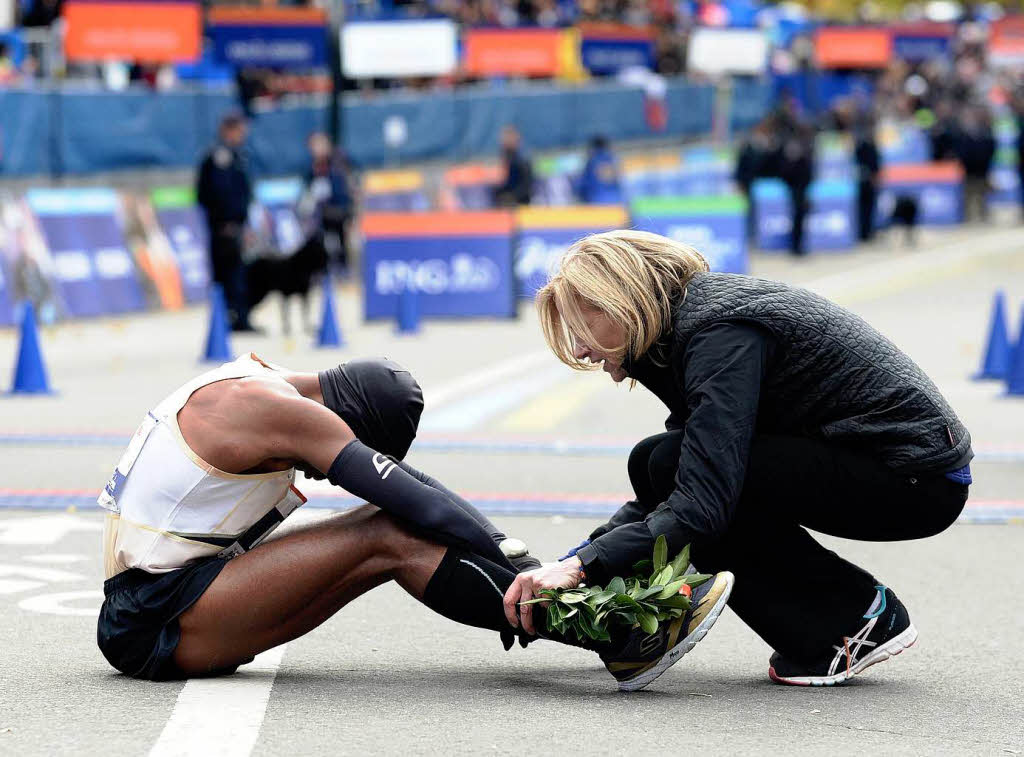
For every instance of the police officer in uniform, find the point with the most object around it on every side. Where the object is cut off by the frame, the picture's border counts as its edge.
(224, 191)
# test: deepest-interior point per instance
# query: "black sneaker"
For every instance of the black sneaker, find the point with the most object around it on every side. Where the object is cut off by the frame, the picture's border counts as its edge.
(888, 632)
(644, 657)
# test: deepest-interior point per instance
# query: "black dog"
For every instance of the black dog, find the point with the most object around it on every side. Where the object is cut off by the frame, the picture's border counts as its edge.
(904, 213)
(292, 275)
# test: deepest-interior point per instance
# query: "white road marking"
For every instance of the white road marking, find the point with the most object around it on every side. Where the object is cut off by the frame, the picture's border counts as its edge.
(872, 280)
(57, 559)
(33, 573)
(44, 529)
(485, 377)
(54, 604)
(221, 716)
(15, 585)
(475, 409)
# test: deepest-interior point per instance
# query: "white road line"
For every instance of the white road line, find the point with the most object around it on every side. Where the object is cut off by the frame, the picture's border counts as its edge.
(458, 388)
(882, 277)
(221, 717)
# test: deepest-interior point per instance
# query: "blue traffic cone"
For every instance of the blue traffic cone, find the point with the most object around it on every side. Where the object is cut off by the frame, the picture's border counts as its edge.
(1015, 375)
(998, 352)
(218, 350)
(329, 334)
(29, 371)
(408, 312)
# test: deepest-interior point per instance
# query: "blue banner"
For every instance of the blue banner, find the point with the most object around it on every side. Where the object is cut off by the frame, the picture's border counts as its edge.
(452, 275)
(609, 56)
(916, 49)
(829, 224)
(938, 204)
(715, 226)
(546, 233)
(537, 253)
(269, 46)
(186, 231)
(95, 271)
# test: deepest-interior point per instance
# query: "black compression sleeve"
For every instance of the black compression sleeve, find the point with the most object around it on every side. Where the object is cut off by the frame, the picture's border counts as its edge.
(479, 517)
(380, 481)
(470, 590)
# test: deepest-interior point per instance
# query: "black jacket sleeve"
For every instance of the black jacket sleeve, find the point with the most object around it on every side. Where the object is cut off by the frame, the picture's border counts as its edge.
(724, 365)
(630, 512)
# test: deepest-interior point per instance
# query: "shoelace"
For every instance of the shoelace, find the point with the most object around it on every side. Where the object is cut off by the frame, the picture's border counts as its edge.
(859, 641)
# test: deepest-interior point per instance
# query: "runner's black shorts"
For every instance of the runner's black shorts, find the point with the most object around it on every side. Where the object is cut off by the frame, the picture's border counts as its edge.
(138, 627)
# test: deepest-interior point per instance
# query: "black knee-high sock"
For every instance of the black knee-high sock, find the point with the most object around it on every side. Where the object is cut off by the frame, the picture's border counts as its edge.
(469, 589)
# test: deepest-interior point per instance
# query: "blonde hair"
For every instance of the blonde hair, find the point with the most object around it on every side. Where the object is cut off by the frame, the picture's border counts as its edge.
(633, 277)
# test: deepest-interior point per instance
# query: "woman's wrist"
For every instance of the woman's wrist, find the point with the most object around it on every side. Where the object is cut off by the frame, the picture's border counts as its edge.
(575, 563)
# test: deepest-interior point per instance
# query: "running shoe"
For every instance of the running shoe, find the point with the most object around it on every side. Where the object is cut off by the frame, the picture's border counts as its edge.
(644, 657)
(888, 632)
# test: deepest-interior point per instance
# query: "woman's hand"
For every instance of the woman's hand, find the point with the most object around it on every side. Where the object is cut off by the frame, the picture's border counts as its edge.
(553, 575)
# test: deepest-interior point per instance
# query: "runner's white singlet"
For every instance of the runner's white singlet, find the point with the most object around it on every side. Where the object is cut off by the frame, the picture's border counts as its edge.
(167, 506)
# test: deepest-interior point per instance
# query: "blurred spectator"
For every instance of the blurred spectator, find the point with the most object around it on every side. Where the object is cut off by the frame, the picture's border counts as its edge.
(330, 190)
(943, 132)
(42, 13)
(8, 71)
(865, 155)
(1018, 109)
(796, 168)
(224, 191)
(976, 149)
(599, 181)
(517, 186)
(754, 161)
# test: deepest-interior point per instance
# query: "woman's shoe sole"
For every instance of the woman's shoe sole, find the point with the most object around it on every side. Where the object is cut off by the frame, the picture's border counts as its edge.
(893, 647)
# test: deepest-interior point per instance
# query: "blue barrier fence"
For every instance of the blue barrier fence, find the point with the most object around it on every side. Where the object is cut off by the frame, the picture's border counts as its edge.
(67, 132)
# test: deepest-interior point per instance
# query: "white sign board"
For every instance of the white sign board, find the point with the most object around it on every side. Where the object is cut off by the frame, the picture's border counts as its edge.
(728, 51)
(398, 48)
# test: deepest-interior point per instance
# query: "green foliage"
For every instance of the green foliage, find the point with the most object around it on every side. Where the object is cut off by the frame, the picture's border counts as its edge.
(649, 597)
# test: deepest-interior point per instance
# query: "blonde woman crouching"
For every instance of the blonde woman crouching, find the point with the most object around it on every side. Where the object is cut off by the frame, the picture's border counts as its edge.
(785, 411)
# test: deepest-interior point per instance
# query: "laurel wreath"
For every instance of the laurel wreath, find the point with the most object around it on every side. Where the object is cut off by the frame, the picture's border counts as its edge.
(658, 590)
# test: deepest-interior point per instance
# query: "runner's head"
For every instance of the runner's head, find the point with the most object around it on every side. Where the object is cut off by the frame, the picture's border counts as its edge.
(378, 399)
(612, 297)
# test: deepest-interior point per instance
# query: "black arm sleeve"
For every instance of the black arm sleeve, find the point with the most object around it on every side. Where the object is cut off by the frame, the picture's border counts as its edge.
(725, 365)
(457, 500)
(526, 562)
(380, 481)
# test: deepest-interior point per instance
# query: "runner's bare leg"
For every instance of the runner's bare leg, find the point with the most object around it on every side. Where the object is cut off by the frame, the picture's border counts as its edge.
(288, 586)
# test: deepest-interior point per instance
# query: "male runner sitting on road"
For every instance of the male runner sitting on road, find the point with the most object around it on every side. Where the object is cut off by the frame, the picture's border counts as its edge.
(192, 589)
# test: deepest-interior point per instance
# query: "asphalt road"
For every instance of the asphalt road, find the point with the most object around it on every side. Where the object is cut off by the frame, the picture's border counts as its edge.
(519, 433)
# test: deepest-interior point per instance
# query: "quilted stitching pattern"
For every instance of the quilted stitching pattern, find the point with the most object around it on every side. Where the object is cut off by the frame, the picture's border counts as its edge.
(832, 375)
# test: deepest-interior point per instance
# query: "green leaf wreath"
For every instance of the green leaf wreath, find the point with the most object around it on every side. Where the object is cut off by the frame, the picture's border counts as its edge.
(654, 593)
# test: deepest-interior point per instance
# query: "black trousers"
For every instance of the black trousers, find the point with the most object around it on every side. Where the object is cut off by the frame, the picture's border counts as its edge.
(796, 595)
(866, 197)
(229, 271)
(800, 207)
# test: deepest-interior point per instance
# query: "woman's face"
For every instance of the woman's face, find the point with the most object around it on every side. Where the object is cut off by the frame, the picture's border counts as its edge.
(605, 332)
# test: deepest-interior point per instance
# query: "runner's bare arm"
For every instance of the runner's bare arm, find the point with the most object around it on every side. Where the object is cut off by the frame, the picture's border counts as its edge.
(284, 425)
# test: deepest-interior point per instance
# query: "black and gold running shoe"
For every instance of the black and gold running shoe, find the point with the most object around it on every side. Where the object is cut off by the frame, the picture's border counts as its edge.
(644, 656)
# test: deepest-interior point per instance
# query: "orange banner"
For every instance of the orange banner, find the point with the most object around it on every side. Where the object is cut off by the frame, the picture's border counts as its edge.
(1006, 42)
(143, 32)
(468, 223)
(852, 47)
(512, 52)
